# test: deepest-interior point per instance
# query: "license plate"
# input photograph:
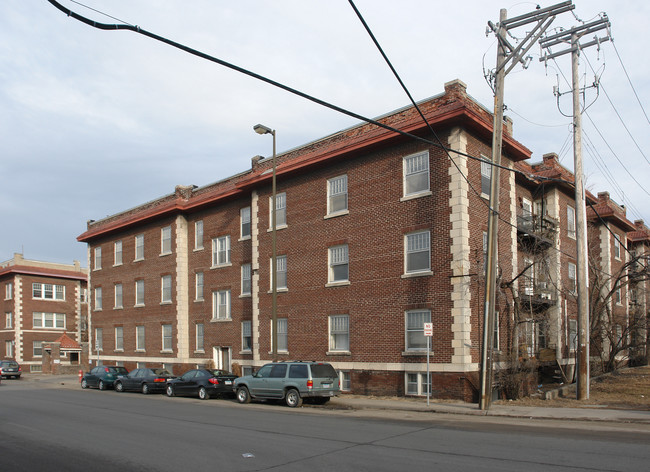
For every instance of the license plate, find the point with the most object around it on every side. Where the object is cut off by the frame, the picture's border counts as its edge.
(228, 382)
(327, 385)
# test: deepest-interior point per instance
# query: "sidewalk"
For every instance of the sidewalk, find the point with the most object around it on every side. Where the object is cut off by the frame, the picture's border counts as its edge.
(356, 402)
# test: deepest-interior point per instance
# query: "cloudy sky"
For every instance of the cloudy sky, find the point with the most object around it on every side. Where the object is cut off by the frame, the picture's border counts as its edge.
(95, 122)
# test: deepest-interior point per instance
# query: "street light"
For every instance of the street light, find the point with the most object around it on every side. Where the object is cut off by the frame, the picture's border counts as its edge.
(261, 129)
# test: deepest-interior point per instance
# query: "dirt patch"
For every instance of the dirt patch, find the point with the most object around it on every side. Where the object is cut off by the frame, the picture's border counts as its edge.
(625, 389)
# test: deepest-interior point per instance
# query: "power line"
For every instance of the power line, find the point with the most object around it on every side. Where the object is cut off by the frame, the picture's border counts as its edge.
(630, 82)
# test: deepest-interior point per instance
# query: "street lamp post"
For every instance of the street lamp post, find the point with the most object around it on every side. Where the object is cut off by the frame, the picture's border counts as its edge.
(261, 129)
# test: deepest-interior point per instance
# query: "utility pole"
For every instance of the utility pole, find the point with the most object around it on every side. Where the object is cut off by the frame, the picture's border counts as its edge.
(508, 56)
(572, 37)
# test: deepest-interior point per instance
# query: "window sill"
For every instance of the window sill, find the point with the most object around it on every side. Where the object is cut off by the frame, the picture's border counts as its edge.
(162, 254)
(248, 352)
(199, 300)
(167, 351)
(413, 196)
(416, 353)
(424, 273)
(138, 260)
(118, 350)
(338, 353)
(342, 283)
(219, 266)
(197, 249)
(220, 320)
(201, 351)
(245, 238)
(278, 290)
(118, 308)
(281, 353)
(140, 305)
(117, 265)
(140, 350)
(335, 214)
(245, 295)
(167, 303)
(277, 228)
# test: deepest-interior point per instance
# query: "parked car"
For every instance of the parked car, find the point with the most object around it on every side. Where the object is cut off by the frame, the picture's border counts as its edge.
(10, 369)
(143, 380)
(102, 376)
(204, 383)
(289, 381)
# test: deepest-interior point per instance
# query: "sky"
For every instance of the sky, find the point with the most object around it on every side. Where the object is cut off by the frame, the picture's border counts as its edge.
(95, 122)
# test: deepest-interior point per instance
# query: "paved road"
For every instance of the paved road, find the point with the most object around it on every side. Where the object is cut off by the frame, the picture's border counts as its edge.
(44, 428)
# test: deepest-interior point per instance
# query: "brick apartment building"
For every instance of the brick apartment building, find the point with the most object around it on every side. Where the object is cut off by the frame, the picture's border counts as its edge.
(377, 233)
(42, 302)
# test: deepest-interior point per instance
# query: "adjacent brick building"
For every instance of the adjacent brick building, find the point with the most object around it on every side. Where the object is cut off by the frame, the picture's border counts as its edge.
(377, 233)
(42, 301)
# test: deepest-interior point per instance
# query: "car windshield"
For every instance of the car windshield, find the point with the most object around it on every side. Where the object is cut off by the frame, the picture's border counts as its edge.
(118, 370)
(322, 370)
(10, 364)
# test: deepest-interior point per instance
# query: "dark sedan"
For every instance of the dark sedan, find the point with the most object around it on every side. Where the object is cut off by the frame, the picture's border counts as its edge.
(204, 383)
(10, 369)
(144, 380)
(102, 376)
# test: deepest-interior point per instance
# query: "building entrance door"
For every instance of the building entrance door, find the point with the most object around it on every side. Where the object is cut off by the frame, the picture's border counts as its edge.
(221, 357)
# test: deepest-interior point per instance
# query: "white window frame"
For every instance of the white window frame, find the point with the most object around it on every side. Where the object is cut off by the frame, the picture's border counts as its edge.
(572, 335)
(339, 333)
(283, 334)
(280, 211)
(416, 243)
(337, 189)
(337, 257)
(97, 259)
(119, 338)
(572, 276)
(40, 291)
(166, 289)
(117, 253)
(37, 349)
(221, 305)
(199, 337)
(221, 251)
(198, 235)
(571, 222)
(617, 247)
(486, 177)
(419, 380)
(165, 240)
(99, 340)
(246, 336)
(198, 286)
(98, 299)
(167, 338)
(414, 167)
(140, 338)
(411, 328)
(139, 247)
(9, 319)
(245, 225)
(345, 380)
(40, 320)
(118, 296)
(9, 349)
(246, 279)
(281, 272)
(139, 292)
(9, 290)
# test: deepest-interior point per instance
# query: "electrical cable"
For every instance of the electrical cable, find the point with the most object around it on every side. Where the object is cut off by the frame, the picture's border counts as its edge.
(630, 82)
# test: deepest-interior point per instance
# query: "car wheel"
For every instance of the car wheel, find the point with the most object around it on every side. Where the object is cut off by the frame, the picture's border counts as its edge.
(145, 389)
(242, 395)
(169, 391)
(293, 398)
(84, 383)
(119, 387)
(102, 385)
(203, 393)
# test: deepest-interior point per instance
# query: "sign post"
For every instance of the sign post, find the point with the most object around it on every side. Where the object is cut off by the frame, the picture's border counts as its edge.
(428, 333)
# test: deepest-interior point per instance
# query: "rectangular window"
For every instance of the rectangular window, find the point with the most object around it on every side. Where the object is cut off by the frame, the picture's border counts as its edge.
(416, 173)
(37, 347)
(573, 335)
(416, 384)
(280, 210)
(339, 333)
(344, 379)
(618, 296)
(9, 291)
(617, 247)
(48, 291)
(139, 292)
(221, 305)
(166, 286)
(139, 338)
(571, 280)
(418, 252)
(98, 298)
(198, 277)
(83, 295)
(485, 251)
(337, 194)
(221, 251)
(245, 218)
(167, 337)
(99, 339)
(198, 235)
(246, 284)
(283, 335)
(117, 253)
(571, 222)
(9, 320)
(486, 177)
(281, 272)
(495, 332)
(48, 320)
(415, 339)
(139, 247)
(166, 240)
(118, 296)
(98, 258)
(199, 336)
(338, 264)
(246, 338)
(9, 349)
(119, 338)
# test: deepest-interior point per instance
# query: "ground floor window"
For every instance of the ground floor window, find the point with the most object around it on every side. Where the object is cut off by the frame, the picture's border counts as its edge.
(344, 380)
(416, 383)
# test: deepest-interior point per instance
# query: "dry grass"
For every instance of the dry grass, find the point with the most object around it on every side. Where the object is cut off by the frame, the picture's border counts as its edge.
(626, 389)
